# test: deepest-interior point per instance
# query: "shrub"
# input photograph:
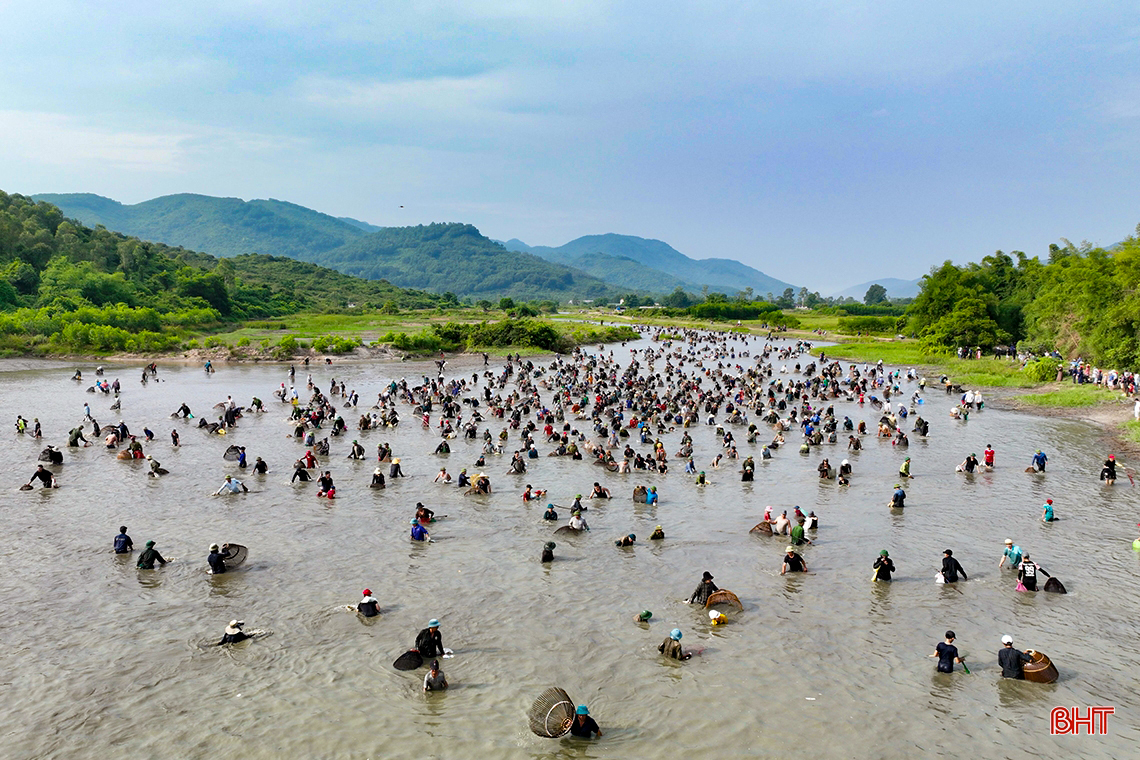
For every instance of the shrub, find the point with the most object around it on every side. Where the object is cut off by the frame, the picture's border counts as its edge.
(1042, 371)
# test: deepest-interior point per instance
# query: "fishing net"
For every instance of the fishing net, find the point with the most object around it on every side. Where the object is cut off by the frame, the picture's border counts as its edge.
(764, 527)
(552, 713)
(238, 553)
(232, 454)
(409, 660)
(723, 597)
(1055, 586)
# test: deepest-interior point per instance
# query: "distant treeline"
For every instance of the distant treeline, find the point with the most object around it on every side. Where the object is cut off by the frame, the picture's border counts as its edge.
(458, 336)
(1083, 301)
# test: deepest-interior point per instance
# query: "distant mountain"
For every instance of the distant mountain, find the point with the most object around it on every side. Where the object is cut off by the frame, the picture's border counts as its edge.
(725, 275)
(218, 226)
(896, 288)
(436, 257)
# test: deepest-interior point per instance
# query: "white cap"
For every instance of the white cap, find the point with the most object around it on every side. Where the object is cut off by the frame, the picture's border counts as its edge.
(1009, 541)
(713, 614)
(1007, 639)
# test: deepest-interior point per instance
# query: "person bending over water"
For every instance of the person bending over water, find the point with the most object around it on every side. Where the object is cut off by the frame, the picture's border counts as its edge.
(671, 647)
(704, 589)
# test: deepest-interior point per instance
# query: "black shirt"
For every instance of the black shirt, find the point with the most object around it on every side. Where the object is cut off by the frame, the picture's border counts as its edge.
(884, 567)
(1010, 660)
(217, 562)
(794, 562)
(947, 653)
(429, 642)
(584, 726)
(951, 570)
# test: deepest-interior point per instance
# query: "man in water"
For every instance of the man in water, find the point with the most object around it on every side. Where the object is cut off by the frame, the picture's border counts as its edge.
(1011, 659)
(988, 456)
(155, 465)
(1027, 573)
(584, 726)
(898, 498)
(548, 552)
(969, 464)
(301, 473)
(1108, 471)
(44, 476)
(883, 566)
(1039, 460)
(429, 642)
(947, 654)
(577, 522)
(628, 540)
(1012, 553)
(217, 560)
(704, 589)
(904, 470)
(671, 647)
(419, 532)
(231, 485)
(657, 534)
(793, 562)
(1047, 511)
(260, 467)
(435, 680)
(149, 556)
(798, 537)
(550, 513)
(234, 633)
(368, 606)
(123, 542)
(951, 568)
(463, 481)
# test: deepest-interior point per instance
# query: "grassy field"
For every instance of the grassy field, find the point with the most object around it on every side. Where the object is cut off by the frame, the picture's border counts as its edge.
(1130, 431)
(1072, 396)
(988, 372)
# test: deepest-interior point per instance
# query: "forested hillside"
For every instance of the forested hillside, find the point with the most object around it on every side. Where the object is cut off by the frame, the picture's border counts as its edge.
(456, 257)
(66, 286)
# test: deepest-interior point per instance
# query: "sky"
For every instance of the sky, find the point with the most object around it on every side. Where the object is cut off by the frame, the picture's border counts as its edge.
(824, 143)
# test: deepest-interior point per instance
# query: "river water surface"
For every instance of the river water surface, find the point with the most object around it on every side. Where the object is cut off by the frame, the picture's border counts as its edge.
(101, 658)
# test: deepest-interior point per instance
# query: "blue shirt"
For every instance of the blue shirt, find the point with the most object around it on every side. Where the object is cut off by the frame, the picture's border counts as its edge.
(418, 533)
(1048, 511)
(1013, 554)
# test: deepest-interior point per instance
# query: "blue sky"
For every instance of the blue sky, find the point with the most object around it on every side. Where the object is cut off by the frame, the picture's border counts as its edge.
(826, 143)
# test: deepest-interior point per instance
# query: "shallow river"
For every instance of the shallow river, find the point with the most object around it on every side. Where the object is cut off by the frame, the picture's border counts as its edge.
(103, 658)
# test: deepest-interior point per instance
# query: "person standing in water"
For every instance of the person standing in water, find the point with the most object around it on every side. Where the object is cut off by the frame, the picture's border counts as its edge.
(704, 589)
(123, 542)
(988, 456)
(1047, 511)
(671, 647)
(1039, 460)
(898, 498)
(435, 680)
(793, 562)
(883, 566)
(1027, 573)
(368, 606)
(583, 726)
(1012, 553)
(904, 470)
(1012, 660)
(429, 642)
(951, 568)
(947, 654)
(149, 556)
(1108, 471)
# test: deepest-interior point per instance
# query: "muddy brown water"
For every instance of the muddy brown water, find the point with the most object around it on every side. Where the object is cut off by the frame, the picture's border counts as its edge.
(102, 658)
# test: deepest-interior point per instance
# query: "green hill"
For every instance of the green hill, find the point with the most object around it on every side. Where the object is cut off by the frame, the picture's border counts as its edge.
(218, 226)
(438, 257)
(65, 286)
(457, 258)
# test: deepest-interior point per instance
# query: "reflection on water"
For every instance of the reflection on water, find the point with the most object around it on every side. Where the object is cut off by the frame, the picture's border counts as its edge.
(136, 670)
